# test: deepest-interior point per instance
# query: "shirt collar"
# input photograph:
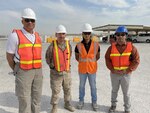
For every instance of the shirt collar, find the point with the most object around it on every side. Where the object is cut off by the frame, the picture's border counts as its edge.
(85, 43)
(121, 45)
(25, 32)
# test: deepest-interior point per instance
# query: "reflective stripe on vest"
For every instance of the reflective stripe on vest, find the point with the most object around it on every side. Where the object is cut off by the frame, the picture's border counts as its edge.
(29, 45)
(87, 61)
(68, 48)
(30, 54)
(61, 58)
(121, 61)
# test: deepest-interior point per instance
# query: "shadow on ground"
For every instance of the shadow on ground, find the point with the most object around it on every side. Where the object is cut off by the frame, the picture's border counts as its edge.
(9, 100)
(87, 106)
(3, 111)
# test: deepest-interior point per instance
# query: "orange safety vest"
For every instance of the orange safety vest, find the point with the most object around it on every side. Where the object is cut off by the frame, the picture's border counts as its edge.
(30, 54)
(121, 61)
(61, 58)
(87, 61)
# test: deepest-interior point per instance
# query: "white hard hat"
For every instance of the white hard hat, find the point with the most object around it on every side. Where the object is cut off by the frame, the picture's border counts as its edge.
(87, 28)
(28, 13)
(61, 29)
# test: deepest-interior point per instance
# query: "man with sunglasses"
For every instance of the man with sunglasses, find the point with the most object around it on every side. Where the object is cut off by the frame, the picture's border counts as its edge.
(58, 56)
(121, 59)
(23, 52)
(87, 52)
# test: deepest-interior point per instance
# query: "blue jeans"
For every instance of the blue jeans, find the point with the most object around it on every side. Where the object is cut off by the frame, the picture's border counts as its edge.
(92, 82)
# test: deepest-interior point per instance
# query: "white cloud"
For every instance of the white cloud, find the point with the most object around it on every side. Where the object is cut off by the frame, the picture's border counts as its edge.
(9, 16)
(53, 12)
(140, 9)
(9, 13)
(136, 14)
(59, 7)
(111, 3)
(10, 20)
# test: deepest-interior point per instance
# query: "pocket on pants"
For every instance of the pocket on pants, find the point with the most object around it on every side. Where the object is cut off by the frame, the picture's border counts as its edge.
(16, 69)
(16, 87)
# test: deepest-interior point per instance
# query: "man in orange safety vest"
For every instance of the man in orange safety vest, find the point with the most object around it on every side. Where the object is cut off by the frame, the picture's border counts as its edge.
(24, 51)
(58, 57)
(121, 58)
(87, 53)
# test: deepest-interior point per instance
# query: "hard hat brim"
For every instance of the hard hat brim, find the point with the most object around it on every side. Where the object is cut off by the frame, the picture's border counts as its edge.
(87, 31)
(28, 17)
(61, 32)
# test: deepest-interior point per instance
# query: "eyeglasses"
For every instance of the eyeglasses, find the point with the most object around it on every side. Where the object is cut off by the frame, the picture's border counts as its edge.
(120, 34)
(86, 33)
(29, 20)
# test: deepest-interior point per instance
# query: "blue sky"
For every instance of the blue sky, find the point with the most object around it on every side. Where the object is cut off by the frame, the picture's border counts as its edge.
(73, 13)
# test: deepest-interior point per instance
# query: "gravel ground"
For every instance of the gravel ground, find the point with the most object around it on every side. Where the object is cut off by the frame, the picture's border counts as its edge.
(140, 85)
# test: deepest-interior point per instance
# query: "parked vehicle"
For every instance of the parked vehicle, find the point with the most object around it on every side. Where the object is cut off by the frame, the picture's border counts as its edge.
(144, 37)
(129, 37)
(105, 39)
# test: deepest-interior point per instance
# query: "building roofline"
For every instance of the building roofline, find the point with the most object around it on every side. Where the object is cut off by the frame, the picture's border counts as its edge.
(113, 27)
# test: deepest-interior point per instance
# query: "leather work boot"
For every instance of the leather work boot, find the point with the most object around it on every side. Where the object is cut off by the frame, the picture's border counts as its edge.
(95, 107)
(54, 109)
(112, 109)
(80, 105)
(69, 107)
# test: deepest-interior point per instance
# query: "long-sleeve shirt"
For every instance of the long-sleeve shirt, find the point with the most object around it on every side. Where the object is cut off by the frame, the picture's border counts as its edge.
(49, 53)
(134, 58)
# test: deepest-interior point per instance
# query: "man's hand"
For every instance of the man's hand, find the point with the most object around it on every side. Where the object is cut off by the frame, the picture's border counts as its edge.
(10, 59)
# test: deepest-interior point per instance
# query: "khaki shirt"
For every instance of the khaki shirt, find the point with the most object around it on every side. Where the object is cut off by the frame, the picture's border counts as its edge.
(49, 56)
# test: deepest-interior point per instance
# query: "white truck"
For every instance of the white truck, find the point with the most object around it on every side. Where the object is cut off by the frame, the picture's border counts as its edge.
(143, 37)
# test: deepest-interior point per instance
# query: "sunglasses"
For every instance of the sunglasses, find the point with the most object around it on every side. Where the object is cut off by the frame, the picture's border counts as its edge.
(86, 33)
(120, 34)
(29, 20)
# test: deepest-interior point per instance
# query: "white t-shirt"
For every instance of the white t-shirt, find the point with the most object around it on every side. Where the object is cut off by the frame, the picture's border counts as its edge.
(12, 43)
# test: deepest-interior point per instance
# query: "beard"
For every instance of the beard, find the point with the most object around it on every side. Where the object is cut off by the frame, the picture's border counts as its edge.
(121, 40)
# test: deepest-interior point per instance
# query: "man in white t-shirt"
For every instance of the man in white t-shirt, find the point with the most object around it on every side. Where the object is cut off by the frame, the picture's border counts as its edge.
(23, 53)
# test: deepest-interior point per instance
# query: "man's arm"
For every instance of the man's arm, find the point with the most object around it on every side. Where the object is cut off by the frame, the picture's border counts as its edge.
(49, 56)
(10, 60)
(98, 56)
(108, 60)
(134, 60)
(77, 56)
(76, 53)
(98, 53)
(70, 50)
